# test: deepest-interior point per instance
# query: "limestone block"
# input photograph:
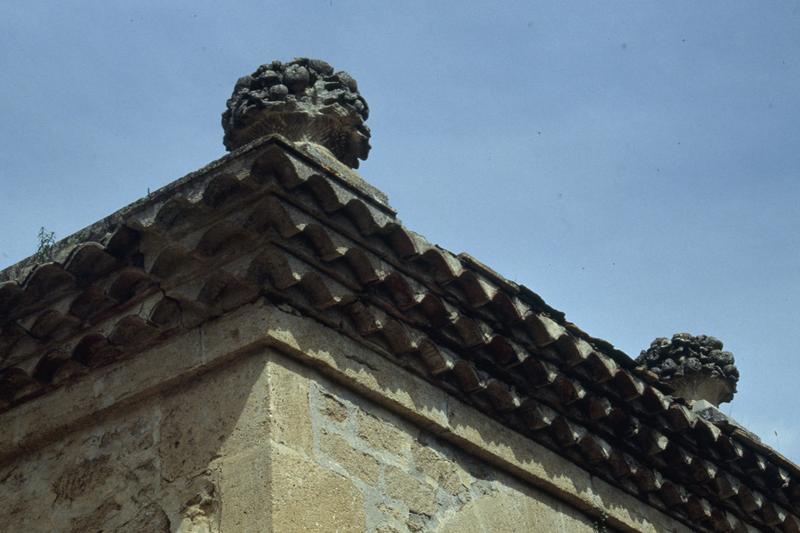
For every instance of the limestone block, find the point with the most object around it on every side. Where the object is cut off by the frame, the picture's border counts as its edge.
(332, 408)
(364, 370)
(444, 471)
(307, 497)
(393, 517)
(220, 413)
(357, 463)
(418, 495)
(289, 409)
(244, 490)
(382, 434)
(509, 511)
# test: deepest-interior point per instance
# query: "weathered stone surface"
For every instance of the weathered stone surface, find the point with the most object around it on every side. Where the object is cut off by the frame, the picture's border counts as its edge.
(303, 100)
(418, 495)
(151, 518)
(244, 488)
(220, 413)
(382, 434)
(88, 475)
(333, 408)
(200, 513)
(289, 408)
(696, 366)
(357, 463)
(393, 517)
(444, 471)
(306, 497)
(509, 511)
(100, 515)
(100, 478)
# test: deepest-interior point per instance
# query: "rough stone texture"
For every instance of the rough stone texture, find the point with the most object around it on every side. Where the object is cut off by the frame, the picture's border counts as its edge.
(289, 405)
(381, 435)
(418, 495)
(696, 366)
(307, 497)
(440, 469)
(243, 481)
(430, 485)
(303, 100)
(159, 465)
(509, 509)
(107, 477)
(220, 414)
(356, 462)
(333, 408)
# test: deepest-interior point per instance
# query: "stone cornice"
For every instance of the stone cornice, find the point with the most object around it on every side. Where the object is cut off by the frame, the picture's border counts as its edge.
(256, 329)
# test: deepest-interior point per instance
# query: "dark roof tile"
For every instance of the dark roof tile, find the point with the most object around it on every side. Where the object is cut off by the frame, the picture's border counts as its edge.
(270, 221)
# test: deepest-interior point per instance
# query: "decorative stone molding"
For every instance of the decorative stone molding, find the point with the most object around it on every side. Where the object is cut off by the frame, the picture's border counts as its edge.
(696, 366)
(305, 101)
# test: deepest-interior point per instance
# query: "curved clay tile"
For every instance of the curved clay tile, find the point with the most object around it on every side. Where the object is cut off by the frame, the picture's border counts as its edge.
(224, 189)
(47, 280)
(132, 330)
(129, 282)
(12, 296)
(272, 163)
(89, 261)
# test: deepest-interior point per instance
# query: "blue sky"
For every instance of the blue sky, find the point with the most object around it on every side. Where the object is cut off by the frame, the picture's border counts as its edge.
(635, 163)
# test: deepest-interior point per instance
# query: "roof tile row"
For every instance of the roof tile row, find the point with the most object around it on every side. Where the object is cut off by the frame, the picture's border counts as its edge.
(278, 226)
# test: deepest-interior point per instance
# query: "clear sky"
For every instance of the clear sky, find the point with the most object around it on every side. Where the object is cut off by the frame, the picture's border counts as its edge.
(635, 163)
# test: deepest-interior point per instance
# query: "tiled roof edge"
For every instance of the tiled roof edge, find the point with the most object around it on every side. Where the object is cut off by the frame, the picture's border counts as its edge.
(95, 231)
(448, 283)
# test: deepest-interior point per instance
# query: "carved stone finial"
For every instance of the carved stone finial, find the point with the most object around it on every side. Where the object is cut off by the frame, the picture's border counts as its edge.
(305, 101)
(696, 367)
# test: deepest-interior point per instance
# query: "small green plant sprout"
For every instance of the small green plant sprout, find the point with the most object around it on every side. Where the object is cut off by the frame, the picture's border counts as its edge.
(44, 252)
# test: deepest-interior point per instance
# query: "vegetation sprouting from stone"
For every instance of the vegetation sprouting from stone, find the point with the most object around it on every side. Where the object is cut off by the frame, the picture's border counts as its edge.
(46, 242)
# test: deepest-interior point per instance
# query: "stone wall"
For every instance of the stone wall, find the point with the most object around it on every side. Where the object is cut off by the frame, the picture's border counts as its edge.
(266, 421)
(159, 465)
(399, 477)
(262, 443)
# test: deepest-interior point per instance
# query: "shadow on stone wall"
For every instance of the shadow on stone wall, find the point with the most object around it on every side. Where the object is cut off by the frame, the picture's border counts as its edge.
(150, 467)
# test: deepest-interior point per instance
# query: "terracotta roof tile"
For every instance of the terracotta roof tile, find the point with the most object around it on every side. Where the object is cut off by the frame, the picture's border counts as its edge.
(271, 222)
